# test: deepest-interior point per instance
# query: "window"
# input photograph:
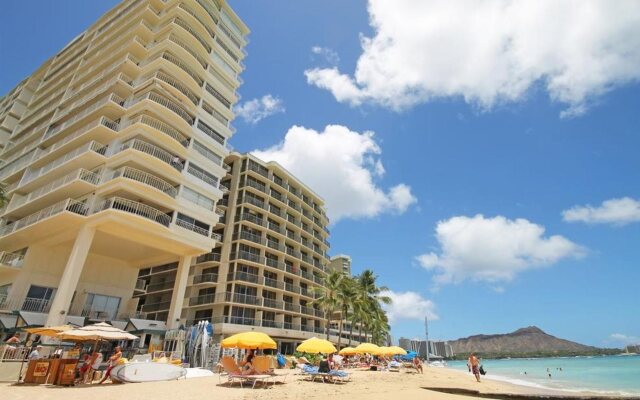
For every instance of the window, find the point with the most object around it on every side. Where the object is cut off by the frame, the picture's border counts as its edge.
(243, 316)
(197, 198)
(202, 315)
(38, 299)
(101, 306)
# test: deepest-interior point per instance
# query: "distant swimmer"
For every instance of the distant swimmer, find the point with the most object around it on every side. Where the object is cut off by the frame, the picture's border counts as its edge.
(549, 376)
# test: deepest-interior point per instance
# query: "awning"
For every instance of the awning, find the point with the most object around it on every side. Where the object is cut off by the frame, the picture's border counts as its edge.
(136, 325)
(31, 319)
(8, 321)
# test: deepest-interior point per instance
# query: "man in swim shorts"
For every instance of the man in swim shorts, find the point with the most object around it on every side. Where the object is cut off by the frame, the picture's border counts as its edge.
(475, 366)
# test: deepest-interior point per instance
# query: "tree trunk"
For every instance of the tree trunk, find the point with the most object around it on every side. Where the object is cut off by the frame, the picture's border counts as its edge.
(351, 331)
(343, 315)
(360, 332)
(328, 323)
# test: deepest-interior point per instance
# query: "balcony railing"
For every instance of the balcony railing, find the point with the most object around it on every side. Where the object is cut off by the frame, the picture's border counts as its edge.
(133, 207)
(162, 127)
(208, 258)
(203, 299)
(156, 306)
(57, 128)
(89, 147)
(145, 178)
(153, 151)
(163, 101)
(202, 176)
(70, 205)
(205, 278)
(192, 227)
(81, 174)
(156, 287)
(11, 259)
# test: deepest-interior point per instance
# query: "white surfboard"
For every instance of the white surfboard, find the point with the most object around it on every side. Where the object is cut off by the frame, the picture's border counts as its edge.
(147, 372)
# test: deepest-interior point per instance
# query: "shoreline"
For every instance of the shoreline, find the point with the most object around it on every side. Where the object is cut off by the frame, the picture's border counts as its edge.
(435, 383)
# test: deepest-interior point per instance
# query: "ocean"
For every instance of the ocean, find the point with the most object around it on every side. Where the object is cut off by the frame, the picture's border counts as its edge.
(610, 374)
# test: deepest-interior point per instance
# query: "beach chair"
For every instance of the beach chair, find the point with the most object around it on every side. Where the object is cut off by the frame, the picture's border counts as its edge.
(234, 374)
(262, 365)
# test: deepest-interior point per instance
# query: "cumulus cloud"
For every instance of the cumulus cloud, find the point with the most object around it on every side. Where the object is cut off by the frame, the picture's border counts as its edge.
(341, 166)
(624, 339)
(491, 52)
(409, 305)
(327, 53)
(620, 211)
(492, 249)
(253, 111)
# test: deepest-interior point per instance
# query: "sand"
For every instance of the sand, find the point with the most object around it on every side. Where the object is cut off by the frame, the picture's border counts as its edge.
(367, 385)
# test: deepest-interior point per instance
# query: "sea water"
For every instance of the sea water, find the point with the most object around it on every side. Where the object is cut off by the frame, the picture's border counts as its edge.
(610, 374)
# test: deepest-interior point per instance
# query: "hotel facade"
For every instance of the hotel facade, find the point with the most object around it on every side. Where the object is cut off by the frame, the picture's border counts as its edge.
(124, 199)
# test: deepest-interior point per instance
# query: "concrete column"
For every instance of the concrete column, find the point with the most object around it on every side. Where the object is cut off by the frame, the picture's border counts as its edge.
(70, 276)
(179, 288)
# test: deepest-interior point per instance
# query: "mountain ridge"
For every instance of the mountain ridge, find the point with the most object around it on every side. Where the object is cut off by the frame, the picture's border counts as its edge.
(526, 340)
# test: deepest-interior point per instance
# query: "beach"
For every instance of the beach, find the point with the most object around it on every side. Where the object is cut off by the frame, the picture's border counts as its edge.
(363, 385)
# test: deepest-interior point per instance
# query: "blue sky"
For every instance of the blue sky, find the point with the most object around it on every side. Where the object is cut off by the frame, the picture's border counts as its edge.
(490, 140)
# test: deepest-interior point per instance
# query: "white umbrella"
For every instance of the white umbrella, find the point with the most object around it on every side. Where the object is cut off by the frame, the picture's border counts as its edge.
(100, 331)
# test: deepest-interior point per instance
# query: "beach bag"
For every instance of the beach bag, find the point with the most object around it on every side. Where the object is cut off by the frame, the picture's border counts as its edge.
(281, 360)
(482, 371)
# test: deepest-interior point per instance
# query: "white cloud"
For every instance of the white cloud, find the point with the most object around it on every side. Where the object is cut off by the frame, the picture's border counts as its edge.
(253, 111)
(327, 53)
(492, 249)
(624, 339)
(491, 52)
(409, 305)
(614, 211)
(340, 165)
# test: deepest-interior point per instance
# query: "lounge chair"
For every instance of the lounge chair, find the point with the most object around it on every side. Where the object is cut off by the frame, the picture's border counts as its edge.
(235, 374)
(332, 376)
(262, 366)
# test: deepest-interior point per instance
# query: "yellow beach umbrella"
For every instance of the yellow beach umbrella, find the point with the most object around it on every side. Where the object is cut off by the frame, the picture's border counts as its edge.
(316, 346)
(368, 348)
(392, 351)
(348, 351)
(249, 340)
(49, 331)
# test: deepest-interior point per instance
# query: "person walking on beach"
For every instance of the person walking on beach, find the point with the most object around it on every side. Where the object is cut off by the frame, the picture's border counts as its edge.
(417, 364)
(113, 361)
(475, 366)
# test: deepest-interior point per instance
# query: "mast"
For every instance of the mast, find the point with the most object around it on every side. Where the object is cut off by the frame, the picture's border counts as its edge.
(426, 333)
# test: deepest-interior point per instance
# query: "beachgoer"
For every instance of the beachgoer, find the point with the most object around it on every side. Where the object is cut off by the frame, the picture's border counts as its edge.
(15, 339)
(35, 354)
(475, 364)
(113, 361)
(417, 364)
(247, 363)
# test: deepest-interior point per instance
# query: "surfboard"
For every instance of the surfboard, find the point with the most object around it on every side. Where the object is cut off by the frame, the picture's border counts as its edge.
(147, 372)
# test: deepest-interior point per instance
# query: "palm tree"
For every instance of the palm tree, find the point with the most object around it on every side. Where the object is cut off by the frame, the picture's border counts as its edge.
(327, 295)
(345, 294)
(370, 314)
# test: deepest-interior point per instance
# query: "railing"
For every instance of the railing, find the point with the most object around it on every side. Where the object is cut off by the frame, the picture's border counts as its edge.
(252, 200)
(62, 112)
(209, 9)
(153, 151)
(257, 185)
(203, 299)
(133, 207)
(180, 64)
(245, 255)
(11, 259)
(192, 227)
(36, 305)
(19, 163)
(243, 276)
(206, 153)
(70, 205)
(57, 128)
(198, 199)
(189, 11)
(162, 127)
(12, 353)
(114, 126)
(188, 49)
(224, 189)
(205, 278)
(212, 91)
(193, 33)
(202, 176)
(164, 305)
(179, 86)
(216, 236)
(259, 169)
(92, 146)
(81, 174)
(156, 287)
(209, 131)
(208, 257)
(106, 71)
(163, 101)
(146, 178)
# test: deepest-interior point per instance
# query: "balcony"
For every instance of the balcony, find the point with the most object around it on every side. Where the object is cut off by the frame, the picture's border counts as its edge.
(209, 257)
(166, 103)
(162, 306)
(153, 151)
(145, 178)
(11, 260)
(164, 128)
(201, 300)
(244, 277)
(205, 278)
(192, 227)
(160, 286)
(68, 205)
(133, 207)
